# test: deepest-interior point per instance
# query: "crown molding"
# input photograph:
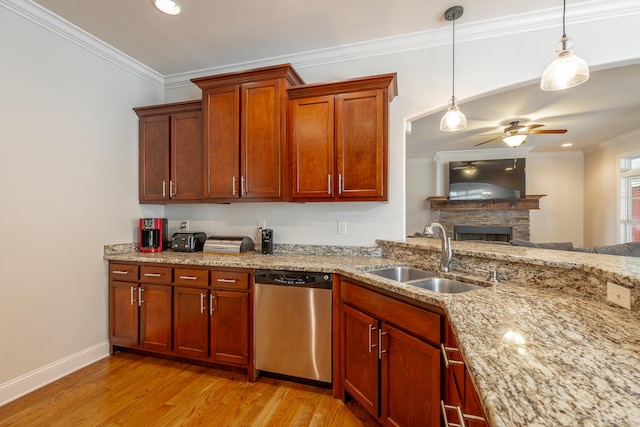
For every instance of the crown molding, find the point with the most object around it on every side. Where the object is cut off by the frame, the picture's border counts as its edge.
(596, 10)
(481, 154)
(634, 134)
(63, 28)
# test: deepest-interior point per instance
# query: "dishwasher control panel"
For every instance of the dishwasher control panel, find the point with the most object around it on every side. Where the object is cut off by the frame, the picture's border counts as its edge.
(294, 278)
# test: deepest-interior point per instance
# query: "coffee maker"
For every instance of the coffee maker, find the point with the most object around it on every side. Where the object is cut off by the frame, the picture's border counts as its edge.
(153, 235)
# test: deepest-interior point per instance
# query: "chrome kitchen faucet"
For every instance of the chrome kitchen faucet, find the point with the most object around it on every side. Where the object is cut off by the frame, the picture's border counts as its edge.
(447, 255)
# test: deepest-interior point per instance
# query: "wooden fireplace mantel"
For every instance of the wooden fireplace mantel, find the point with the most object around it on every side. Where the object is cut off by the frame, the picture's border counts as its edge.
(442, 203)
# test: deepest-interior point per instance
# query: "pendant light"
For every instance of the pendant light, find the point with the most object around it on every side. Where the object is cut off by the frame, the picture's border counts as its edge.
(567, 70)
(453, 119)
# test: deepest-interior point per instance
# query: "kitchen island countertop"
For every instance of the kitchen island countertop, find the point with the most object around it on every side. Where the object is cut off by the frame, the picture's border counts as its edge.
(537, 356)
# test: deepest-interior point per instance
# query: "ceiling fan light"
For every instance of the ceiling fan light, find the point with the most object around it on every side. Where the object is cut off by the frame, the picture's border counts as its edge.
(453, 119)
(169, 7)
(514, 140)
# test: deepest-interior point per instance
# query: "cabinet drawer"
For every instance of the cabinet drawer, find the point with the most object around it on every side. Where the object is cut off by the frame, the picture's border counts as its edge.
(417, 321)
(155, 274)
(229, 279)
(123, 272)
(191, 276)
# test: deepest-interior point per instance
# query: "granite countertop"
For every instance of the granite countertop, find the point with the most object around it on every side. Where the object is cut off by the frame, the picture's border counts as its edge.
(537, 357)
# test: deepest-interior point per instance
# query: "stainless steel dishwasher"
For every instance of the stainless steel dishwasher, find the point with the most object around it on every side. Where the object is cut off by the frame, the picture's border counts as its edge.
(292, 318)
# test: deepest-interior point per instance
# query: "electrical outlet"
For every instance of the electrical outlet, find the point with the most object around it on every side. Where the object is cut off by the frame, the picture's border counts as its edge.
(619, 295)
(262, 224)
(342, 227)
(184, 225)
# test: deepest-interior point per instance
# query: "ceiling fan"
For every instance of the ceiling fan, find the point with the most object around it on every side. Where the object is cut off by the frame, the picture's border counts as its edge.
(515, 133)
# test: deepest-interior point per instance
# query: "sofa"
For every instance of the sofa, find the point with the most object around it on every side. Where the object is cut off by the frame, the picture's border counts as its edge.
(631, 249)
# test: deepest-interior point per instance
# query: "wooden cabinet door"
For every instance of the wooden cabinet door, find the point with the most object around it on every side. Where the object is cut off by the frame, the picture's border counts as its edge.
(262, 134)
(123, 314)
(186, 156)
(361, 145)
(360, 358)
(312, 148)
(154, 158)
(229, 328)
(156, 317)
(410, 380)
(222, 142)
(191, 322)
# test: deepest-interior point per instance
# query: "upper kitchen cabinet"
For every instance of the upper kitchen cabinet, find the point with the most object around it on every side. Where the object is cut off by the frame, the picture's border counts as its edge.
(338, 139)
(245, 134)
(170, 152)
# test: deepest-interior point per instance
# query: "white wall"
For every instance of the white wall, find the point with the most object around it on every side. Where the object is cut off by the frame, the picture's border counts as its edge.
(68, 173)
(560, 177)
(421, 173)
(601, 190)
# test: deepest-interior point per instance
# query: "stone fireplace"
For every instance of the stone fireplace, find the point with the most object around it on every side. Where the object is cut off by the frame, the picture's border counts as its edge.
(491, 220)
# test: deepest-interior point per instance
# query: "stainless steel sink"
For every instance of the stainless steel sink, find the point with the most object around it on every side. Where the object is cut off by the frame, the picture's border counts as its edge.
(442, 285)
(402, 274)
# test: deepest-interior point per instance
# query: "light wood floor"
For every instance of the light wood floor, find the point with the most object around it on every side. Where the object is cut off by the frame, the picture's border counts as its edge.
(134, 390)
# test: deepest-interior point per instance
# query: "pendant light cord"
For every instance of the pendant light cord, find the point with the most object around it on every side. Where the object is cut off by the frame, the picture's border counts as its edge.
(564, 12)
(453, 66)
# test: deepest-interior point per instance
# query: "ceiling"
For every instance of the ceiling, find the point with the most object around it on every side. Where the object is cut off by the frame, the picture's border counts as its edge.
(217, 34)
(603, 108)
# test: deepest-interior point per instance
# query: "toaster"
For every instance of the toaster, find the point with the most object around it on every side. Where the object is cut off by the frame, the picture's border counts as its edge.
(188, 241)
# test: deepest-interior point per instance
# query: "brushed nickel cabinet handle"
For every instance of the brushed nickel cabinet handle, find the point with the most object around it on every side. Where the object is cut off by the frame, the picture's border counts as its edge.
(340, 183)
(212, 299)
(171, 189)
(202, 307)
(233, 185)
(448, 362)
(152, 274)
(329, 184)
(188, 277)
(444, 408)
(243, 184)
(133, 298)
(164, 188)
(380, 350)
(140, 300)
(119, 272)
(371, 344)
(226, 280)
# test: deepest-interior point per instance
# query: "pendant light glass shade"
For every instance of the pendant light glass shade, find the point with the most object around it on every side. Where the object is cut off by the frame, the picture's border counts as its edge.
(453, 119)
(567, 70)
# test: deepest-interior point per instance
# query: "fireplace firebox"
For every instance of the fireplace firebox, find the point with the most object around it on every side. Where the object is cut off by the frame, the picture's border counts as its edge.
(486, 233)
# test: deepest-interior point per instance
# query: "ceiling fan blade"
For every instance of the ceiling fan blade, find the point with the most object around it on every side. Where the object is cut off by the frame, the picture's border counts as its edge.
(534, 126)
(492, 139)
(549, 131)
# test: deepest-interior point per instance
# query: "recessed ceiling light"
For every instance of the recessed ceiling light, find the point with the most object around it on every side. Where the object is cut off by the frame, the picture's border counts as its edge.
(169, 7)
(568, 144)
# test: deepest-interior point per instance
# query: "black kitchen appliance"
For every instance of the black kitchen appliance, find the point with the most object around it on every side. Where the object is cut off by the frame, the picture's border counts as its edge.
(153, 235)
(267, 241)
(188, 241)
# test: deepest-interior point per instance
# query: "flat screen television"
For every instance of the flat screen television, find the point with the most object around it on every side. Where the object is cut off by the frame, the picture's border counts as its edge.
(487, 179)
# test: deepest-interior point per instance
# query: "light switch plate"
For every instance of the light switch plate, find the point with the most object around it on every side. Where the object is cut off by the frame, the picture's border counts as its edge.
(262, 224)
(619, 295)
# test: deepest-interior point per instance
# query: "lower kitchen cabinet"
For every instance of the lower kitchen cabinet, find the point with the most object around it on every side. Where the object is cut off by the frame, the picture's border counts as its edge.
(390, 360)
(229, 327)
(140, 313)
(186, 317)
(191, 322)
(460, 399)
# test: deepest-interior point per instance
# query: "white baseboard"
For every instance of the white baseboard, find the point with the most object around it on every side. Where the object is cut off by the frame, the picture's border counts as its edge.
(24, 384)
